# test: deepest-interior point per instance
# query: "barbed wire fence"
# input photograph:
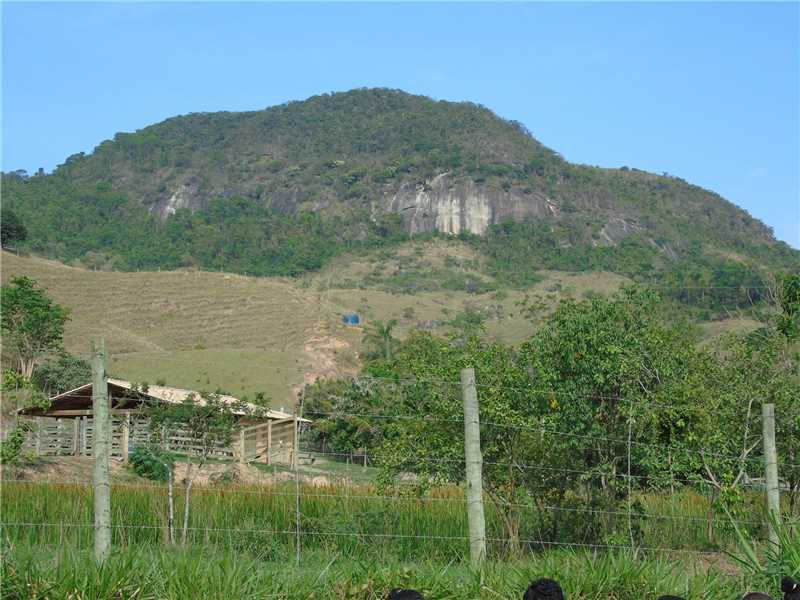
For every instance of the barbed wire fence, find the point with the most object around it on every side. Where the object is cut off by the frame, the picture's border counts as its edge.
(324, 500)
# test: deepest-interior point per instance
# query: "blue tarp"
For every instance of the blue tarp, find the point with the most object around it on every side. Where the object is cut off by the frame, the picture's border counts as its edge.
(351, 319)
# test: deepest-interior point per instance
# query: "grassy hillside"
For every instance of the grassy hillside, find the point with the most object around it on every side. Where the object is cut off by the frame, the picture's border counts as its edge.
(198, 330)
(247, 335)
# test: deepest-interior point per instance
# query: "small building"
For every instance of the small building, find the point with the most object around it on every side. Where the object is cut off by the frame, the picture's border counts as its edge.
(351, 319)
(66, 427)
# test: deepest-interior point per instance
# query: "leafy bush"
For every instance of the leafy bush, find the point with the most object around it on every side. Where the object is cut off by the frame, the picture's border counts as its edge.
(152, 463)
(11, 447)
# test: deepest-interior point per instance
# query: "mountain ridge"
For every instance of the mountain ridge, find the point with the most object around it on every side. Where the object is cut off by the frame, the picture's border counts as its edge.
(305, 180)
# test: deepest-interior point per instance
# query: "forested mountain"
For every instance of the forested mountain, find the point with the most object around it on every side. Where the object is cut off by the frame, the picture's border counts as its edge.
(282, 190)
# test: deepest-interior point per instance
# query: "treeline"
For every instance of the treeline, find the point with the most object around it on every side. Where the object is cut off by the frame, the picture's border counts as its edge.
(292, 185)
(710, 282)
(283, 190)
(332, 146)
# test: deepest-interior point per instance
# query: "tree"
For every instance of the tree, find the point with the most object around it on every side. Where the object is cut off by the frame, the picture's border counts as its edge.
(208, 421)
(155, 463)
(609, 364)
(787, 363)
(432, 447)
(11, 446)
(379, 336)
(556, 414)
(469, 322)
(11, 229)
(19, 392)
(61, 373)
(341, 411)
(789, 303)
(32, 324)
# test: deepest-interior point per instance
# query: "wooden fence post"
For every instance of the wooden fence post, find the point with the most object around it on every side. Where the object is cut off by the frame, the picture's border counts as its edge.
(84, 422)
(295, 441)
(125, 437)
(474, 468)
(772, 483)
(76, 436)
(101, 447)
(269, 443)
(242, 458)
(38, 436)
(296, 466)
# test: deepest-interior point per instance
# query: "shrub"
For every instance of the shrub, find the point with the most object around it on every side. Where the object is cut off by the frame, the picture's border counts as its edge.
(11, 447)
(152, 463)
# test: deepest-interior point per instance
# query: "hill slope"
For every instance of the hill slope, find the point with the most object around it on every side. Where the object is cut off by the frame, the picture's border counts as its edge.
(246, 335)
(285, 189)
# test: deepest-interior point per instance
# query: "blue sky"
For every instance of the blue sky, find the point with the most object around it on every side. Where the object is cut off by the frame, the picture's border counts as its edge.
(708, 92)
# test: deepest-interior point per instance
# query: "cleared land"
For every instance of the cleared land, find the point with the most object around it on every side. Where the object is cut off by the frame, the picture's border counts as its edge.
(244, 335)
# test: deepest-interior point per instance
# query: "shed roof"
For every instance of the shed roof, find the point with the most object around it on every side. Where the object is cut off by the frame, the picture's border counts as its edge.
(169, 394)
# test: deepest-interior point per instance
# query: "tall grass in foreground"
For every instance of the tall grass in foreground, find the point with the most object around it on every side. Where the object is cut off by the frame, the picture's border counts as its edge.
(352, 521)
(174, 574)
(242, 545)
(776, 560)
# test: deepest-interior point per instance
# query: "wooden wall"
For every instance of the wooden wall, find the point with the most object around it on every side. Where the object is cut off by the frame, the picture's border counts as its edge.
(269, 442)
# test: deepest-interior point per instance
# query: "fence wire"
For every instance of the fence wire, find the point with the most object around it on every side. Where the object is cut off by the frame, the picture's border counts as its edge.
(354, 509)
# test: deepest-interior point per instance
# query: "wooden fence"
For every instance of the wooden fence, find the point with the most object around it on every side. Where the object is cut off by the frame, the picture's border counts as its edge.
(269, 442)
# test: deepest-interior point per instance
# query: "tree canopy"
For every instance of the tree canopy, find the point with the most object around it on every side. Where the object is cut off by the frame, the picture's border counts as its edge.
(284, 190)
(11, 229)
(32, 324)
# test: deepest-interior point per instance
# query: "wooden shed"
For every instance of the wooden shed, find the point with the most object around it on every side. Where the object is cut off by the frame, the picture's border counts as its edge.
(66, 427)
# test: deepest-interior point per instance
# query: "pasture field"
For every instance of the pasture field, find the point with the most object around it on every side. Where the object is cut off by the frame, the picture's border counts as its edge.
(245, 335)
(356, 543)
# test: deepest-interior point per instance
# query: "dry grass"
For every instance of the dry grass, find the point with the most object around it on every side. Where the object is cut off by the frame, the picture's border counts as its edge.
(191, 329)
(735, 325)
(245, 335)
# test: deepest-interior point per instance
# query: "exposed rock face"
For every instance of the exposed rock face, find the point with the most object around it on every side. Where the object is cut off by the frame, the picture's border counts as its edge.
(183, 197)
(456, 206)
(444, 203)
(617, 229)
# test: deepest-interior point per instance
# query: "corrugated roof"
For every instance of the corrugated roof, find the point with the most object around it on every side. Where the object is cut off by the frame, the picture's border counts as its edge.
(176, 395)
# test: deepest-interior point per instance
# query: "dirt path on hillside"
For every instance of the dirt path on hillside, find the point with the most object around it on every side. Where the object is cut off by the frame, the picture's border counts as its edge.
(322, 349)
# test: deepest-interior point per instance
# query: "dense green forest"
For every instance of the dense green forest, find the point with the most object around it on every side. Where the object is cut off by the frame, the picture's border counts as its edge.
(283, 190)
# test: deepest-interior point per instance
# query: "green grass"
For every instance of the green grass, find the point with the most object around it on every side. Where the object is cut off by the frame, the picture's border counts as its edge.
(242, 544)
(245, 371)
(221, 574)
(735, 325)
(355, 520)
